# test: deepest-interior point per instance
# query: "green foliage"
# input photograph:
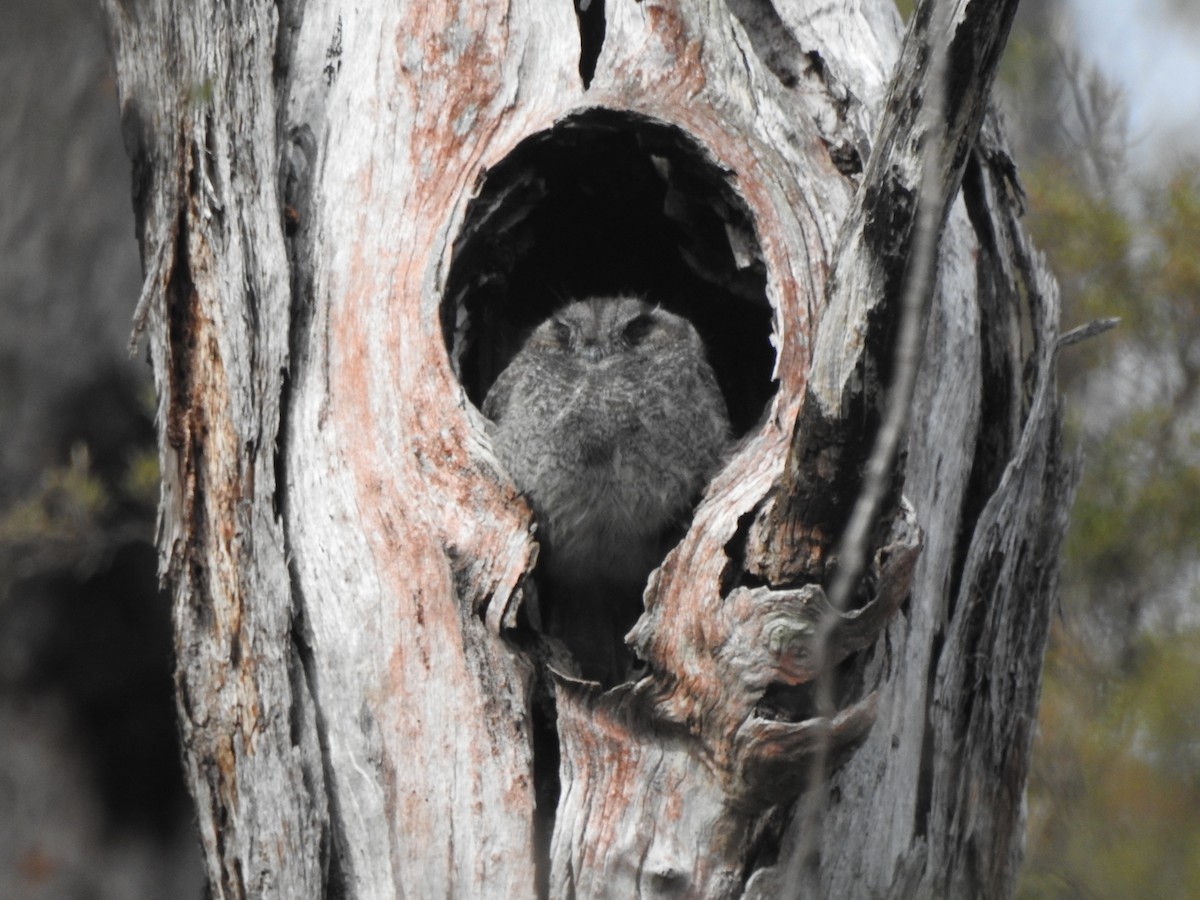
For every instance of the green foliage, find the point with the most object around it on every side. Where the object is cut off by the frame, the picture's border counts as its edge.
(1088, 239)
(67, 502)
(1135, 523)
(141, 479)
(1116, 783)
(74, 518)
(1114, 798)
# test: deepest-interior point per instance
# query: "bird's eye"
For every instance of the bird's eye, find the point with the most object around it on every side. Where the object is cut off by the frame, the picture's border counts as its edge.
(562, 333)
(637, 328)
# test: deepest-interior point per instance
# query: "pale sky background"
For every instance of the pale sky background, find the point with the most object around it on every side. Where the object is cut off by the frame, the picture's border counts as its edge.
(1153, 54)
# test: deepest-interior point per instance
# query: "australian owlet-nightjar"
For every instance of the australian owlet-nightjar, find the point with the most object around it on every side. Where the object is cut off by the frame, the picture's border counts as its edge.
(610, 419)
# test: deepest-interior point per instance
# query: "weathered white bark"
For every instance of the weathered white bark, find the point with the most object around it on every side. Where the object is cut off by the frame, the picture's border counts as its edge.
(362, 691)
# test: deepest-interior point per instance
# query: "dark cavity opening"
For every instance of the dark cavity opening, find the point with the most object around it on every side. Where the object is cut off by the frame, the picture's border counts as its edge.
(608, 203)
(590, 15)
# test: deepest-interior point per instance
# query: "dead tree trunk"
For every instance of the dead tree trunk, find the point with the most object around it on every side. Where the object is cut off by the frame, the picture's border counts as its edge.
(347, 212)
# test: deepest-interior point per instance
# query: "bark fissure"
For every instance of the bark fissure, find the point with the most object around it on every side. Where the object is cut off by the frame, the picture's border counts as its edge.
(773, 42)
(999, 298)
(923, 801)
(590, 16)
(308, 726)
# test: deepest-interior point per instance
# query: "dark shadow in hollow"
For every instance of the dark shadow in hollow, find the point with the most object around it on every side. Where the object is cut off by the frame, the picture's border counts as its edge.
(607, 203)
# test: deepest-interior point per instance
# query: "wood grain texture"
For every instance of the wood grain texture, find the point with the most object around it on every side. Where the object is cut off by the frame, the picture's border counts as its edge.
(359, 680)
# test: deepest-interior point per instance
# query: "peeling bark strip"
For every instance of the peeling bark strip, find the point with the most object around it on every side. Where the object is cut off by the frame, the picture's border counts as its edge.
(853, 362)
(346, 212)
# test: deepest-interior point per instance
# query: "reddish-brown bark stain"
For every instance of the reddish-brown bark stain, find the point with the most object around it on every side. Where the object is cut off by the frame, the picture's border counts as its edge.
(200, 428)
(459, 79)
(682, 48)
(225, 757)
(408, 461)
(456, 119)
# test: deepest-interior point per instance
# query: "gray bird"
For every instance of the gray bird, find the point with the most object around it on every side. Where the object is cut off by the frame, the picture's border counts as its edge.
(610, 420)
